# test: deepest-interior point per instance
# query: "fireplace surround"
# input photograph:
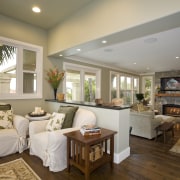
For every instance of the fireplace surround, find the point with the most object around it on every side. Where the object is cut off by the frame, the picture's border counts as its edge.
(171, 110)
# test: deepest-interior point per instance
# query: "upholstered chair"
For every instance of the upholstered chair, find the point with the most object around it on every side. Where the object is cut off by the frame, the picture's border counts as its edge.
(49, 144)
(13, 131)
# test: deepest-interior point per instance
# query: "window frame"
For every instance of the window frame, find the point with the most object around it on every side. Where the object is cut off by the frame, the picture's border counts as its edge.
(19, 69)
(132, 90)
(143, 79)
(83, 69)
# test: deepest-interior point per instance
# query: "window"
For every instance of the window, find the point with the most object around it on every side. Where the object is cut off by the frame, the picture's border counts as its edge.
(82, 83)
(21, 72)
(124, 86)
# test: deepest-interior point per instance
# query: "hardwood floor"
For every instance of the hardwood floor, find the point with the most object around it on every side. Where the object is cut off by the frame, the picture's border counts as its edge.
(149, 160)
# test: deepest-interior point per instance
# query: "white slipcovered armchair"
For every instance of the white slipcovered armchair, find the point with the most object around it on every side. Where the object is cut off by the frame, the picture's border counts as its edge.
(14, 139)
(50, 146)
(144, 123)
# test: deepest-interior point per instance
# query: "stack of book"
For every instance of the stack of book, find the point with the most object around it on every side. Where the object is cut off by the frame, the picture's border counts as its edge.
(87, 130)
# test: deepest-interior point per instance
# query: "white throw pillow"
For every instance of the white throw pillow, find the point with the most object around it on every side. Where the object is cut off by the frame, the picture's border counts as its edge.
(55, 122)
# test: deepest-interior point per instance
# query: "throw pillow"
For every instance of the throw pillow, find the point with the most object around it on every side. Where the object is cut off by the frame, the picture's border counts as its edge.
(6, 119)
(55, 122)
(5, 107)
(140, 107)
(70, 112)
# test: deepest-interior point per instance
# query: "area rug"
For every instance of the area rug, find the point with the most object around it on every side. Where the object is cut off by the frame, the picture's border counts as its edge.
(176, 147)
(17, 170)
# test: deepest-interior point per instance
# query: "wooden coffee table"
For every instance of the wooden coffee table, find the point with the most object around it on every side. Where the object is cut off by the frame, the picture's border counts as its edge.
(76, 142)
(165, 127)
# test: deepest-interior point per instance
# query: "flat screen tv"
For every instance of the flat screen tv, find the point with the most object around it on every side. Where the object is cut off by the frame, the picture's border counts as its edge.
(170, 84)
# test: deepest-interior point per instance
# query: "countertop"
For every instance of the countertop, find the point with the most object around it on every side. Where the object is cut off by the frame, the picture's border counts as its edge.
(90, 104)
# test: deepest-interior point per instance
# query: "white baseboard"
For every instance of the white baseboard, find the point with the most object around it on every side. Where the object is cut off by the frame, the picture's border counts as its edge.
(119, 157)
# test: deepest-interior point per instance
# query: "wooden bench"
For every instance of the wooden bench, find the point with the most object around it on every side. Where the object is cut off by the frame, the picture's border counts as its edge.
(165, 127)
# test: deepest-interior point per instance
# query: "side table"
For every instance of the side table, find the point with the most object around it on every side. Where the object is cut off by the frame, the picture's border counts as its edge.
(76, 142)
(38, 118)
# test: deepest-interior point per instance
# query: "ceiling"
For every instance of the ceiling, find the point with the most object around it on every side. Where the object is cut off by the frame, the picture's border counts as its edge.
(52, 11)
(153, 53)
(146, 53)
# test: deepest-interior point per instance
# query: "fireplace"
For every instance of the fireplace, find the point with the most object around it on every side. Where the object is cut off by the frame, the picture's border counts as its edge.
(171, 110)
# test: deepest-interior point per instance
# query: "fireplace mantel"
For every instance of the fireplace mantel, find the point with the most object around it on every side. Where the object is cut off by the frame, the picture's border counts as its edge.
(168, 95)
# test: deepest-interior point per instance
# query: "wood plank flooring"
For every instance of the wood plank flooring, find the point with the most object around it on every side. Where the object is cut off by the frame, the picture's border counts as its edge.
(149, 160)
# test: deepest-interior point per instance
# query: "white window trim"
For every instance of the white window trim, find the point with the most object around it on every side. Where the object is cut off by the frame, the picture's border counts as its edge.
(39, 68)
(82, 70)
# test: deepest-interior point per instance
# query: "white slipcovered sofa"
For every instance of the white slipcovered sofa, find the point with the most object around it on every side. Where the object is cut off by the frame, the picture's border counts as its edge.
(14, 140)
(144, 123)
(50, 146)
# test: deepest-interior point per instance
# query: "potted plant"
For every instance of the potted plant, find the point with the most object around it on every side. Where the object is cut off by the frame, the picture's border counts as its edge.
(140, 97)
(54, 77)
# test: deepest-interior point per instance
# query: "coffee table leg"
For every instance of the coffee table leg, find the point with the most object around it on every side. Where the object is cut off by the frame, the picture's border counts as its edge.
(164, 133)
(173, 131)
(156, 133)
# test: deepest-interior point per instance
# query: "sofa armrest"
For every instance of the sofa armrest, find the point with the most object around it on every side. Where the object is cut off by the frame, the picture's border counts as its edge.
(54, 137)
(37, 127)
(56, 152)
(21, 124)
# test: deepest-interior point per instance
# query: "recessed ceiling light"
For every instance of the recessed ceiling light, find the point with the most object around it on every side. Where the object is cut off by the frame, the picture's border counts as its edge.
(104, 41)
(36, 9)
(61, 55)
(78, 49)
(177, 57)
(134, 63)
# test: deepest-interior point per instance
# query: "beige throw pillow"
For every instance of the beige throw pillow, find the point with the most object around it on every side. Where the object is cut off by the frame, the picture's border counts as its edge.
(55, 122)
(6, 119)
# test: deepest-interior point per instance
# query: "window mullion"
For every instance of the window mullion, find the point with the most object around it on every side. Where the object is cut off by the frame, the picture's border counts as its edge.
(19, 71)
(39, 72)
(118, 86)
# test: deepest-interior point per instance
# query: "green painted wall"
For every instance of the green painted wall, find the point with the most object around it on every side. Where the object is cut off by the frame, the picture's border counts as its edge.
(20, 31)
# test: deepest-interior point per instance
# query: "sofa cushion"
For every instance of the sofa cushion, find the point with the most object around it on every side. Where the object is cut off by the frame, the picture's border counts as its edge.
(84, 117)
(165, 118)
(145, 113)
(139, 107)
(55, 122)
(69, 112)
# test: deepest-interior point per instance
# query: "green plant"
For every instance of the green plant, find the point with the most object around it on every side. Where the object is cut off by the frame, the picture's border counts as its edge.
(140, 96)
(89, 96)
(6, 52)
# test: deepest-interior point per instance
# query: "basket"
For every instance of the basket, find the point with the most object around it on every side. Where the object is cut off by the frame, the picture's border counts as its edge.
(96, 152)
(60, 96)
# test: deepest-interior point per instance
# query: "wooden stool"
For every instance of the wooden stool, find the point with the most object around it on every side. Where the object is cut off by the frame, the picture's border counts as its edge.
(165, 127)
